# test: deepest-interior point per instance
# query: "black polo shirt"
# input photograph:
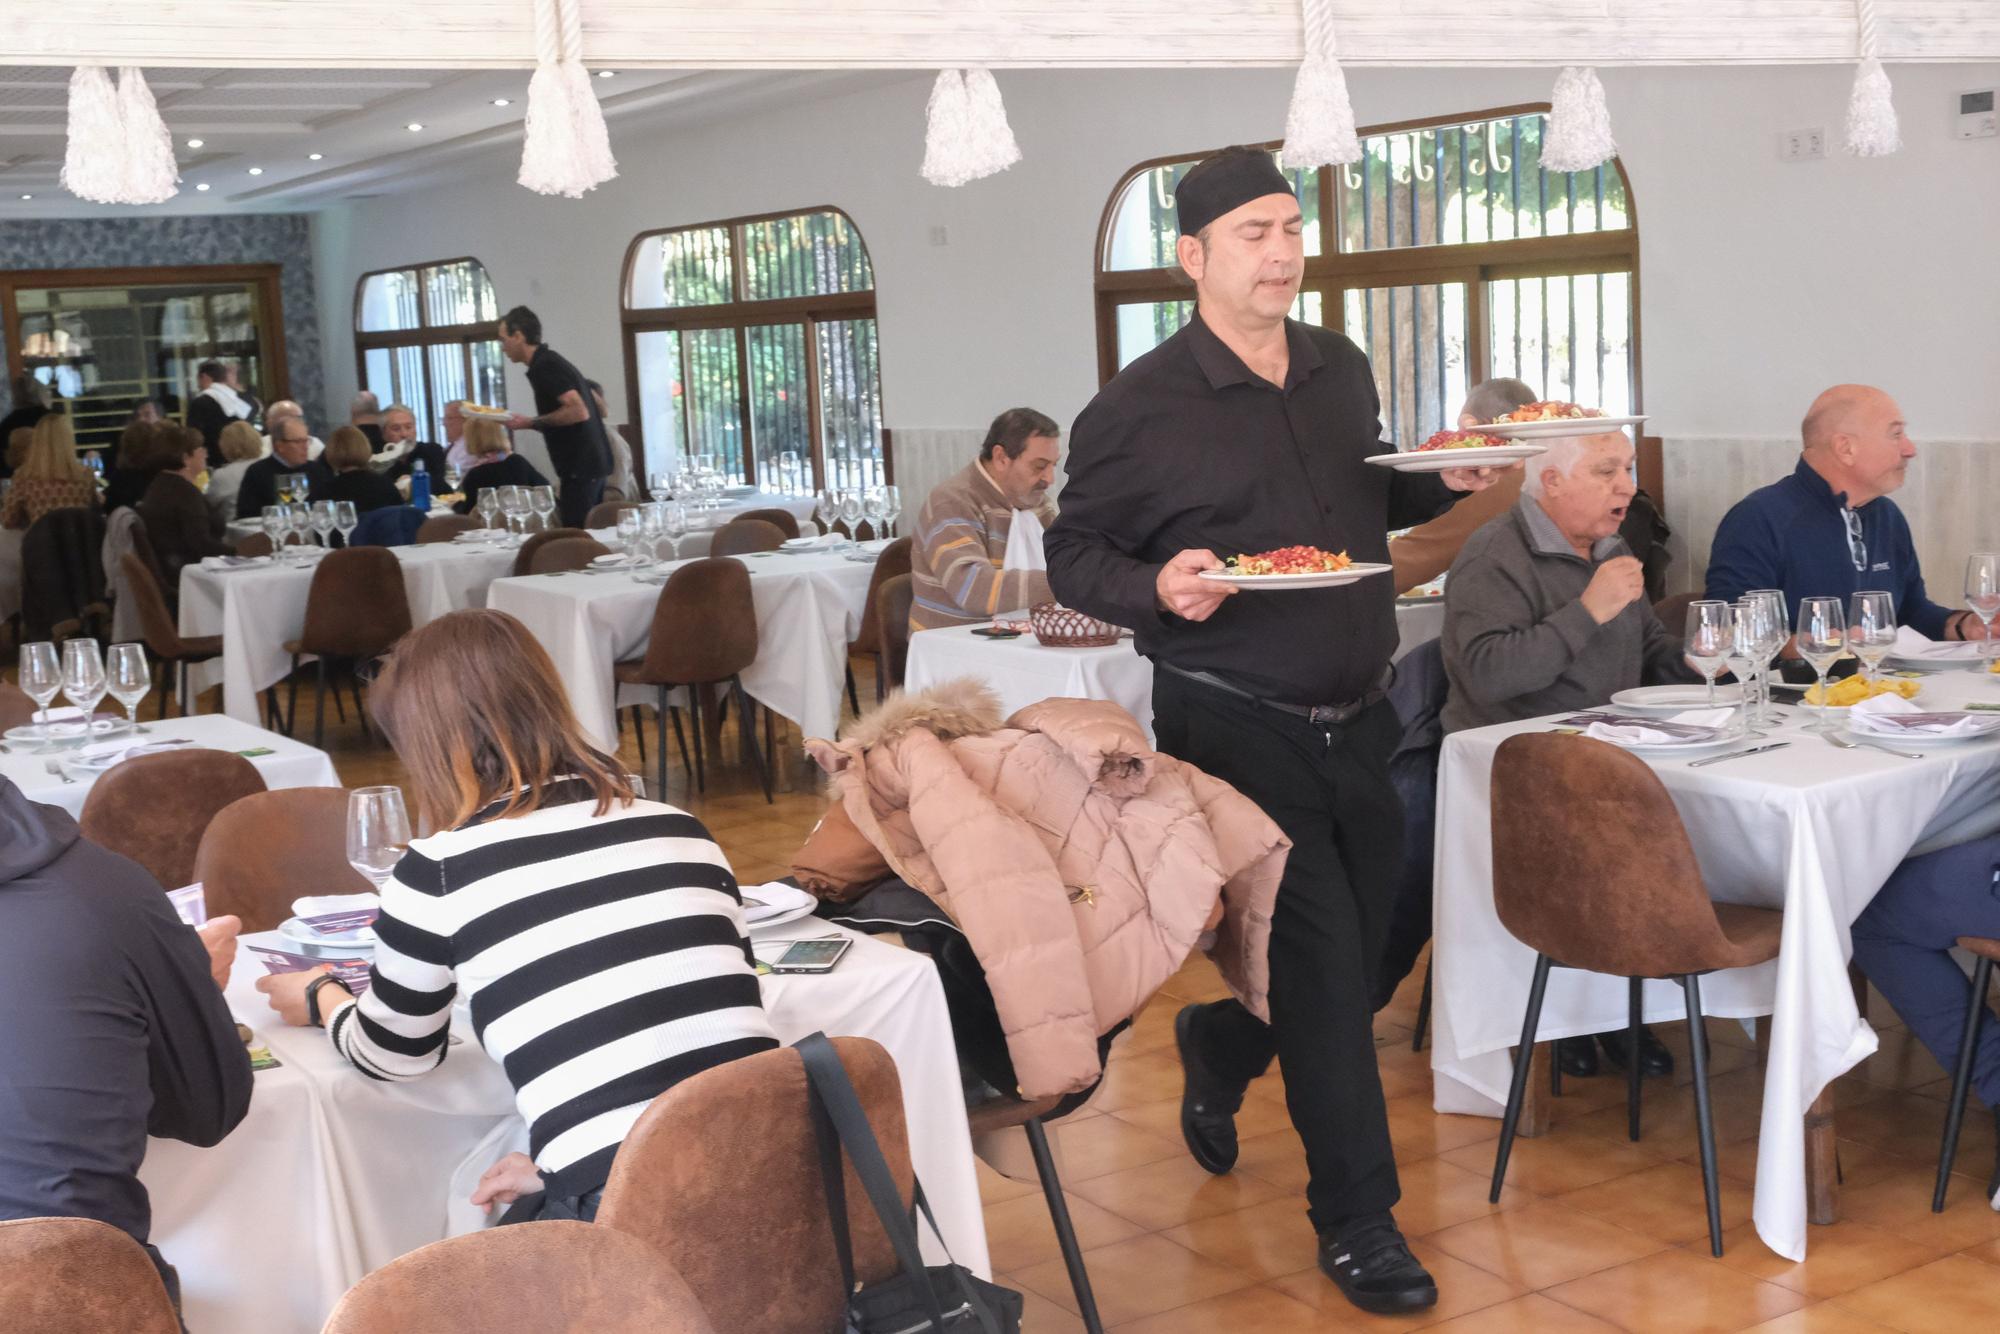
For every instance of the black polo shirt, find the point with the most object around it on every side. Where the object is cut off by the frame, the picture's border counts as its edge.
(1189, 448)
(582, 450)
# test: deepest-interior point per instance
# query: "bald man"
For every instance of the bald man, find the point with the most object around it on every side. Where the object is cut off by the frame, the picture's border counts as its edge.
(1830, 529)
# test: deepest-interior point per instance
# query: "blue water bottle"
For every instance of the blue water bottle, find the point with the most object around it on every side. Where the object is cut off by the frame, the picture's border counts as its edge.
(420, 486)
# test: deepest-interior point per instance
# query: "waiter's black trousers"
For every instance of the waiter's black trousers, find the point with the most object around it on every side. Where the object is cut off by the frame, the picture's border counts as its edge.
(1330, 793)
(576, 497)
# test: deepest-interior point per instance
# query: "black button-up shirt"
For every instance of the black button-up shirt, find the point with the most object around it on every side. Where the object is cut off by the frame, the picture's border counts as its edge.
(579, 450)
(1189, 448)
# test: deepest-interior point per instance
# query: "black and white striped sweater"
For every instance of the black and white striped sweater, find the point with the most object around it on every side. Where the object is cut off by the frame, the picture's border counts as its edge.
(604, 960)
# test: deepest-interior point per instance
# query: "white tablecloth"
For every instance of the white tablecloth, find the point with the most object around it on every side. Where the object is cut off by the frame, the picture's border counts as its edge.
(333, 1174)
(289, 764)
(1809, 829)
(257, 609)
(808, 610)
(1022, 672)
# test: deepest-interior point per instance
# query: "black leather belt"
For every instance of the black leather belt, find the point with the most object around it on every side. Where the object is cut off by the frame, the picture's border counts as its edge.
(1319, 715)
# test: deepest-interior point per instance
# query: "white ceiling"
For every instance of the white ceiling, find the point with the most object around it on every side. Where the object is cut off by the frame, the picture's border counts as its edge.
(357, 121)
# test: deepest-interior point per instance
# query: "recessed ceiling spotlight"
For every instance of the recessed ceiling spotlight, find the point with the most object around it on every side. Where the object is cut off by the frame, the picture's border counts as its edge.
(607, 74)
(414, 126)
(203, 186)
(502, 101)
(314, 157)
(27, 196)
(194, 143)
(256, 171)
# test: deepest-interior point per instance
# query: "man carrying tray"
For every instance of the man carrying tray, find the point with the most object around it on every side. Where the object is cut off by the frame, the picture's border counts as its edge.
(1244, 433)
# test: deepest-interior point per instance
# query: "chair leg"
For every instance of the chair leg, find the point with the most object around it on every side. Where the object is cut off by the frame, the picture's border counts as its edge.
(292, 695)
(1524, 1057)
(694, 722)
(1072, 1253)
(319, 704)
(1961, 1079)
(182, 689)
(1633, 1074)
(1555, 1070)
(274, 718)
(746, 724)
(853, 697)
(1703, 1115)
(680, 736)
(360, 707)
(340, 709)
(1423, 1011)
(659, 722)
(639, 732)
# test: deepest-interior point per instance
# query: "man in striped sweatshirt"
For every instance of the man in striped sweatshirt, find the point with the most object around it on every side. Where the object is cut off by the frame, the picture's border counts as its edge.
(957, 560)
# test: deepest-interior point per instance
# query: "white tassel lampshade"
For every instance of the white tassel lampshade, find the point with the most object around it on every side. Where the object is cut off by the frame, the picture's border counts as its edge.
(966, 134)
(566, 150)
(1871, 129)
(1579, 133)
(151, 174)
(94, 159)
(1319, 126)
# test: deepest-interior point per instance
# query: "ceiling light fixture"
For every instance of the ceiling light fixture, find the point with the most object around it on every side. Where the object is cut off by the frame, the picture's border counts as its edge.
(314, 157)
(414, 126)
(256, 171)
(502, 102)
(27, 196)
(202, 187)
(194, 143)
(607, 74)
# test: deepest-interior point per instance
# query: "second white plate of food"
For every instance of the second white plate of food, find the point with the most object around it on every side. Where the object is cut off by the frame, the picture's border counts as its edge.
(1676, 699)
(1559, 426)
(1313, 579)
(1476, 456)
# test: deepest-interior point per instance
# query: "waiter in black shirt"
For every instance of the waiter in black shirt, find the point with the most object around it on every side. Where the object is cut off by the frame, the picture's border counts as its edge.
(566, 414)
(1242, 433)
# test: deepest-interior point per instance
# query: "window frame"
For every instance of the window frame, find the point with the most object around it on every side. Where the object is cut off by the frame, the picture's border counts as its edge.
(740, 315)
(1334, 273)
(425, 334)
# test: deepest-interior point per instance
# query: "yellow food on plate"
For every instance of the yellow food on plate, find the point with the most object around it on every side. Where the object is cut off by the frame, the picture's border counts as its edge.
(1853, 690)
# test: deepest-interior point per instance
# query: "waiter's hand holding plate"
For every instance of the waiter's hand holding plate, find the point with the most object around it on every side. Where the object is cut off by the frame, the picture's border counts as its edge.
(1181, 590)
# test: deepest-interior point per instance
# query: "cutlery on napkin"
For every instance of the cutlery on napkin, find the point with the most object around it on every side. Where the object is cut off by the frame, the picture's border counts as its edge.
(1892, 715)
(1623, 730)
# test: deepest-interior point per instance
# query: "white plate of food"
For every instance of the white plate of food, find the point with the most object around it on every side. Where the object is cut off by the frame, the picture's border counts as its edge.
(482, 410)
(1458, 449)
(1676, 699)
(1292, 567)
(1845, 696)
(1544, 428)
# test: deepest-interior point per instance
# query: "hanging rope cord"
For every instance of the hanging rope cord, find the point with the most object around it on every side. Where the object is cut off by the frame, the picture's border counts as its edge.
(1318, 27)
(1867, 31)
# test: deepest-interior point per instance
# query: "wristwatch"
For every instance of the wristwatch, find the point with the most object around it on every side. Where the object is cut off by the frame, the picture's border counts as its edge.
(313, 1016)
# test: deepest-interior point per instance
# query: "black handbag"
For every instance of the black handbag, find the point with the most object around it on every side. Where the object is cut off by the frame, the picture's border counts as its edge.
(909, 1303)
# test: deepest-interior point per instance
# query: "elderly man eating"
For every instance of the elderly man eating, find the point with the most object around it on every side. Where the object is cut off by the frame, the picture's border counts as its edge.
(1545, 612)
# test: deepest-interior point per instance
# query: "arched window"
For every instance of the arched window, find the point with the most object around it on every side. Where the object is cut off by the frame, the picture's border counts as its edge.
(1447, 254)
(424, 337)
(753, 341)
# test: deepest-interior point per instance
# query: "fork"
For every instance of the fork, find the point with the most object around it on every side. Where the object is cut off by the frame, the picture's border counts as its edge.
(1844, 744)
(54, 769)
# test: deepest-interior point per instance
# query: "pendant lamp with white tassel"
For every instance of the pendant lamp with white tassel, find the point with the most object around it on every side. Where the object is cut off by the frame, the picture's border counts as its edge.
(1578, 136)
(151, 174)
(94, 159)
(966, 134)
(567, 150)
(1871, 129)
(1319, 126)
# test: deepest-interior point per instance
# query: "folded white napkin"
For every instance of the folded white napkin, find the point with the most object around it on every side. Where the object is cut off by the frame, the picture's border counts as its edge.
(820, 543)
(319, 905)
(1024, 543)
(763, 902)
(1640, 734)
(107, 753)
(235, 562)
(1913, 646)
(1878, 714)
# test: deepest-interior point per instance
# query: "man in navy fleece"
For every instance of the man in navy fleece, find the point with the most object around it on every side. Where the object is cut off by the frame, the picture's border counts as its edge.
(1830, 530)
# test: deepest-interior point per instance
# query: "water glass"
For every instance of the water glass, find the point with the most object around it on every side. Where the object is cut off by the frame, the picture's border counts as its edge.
(674, 524)
(824, 509)
(454, 476)
(1982, 592)
(1747, 620)
(488, 505)
(1708, 640)
(1777, 631)
(542, 500)
(1822, 639)
(892, 506)
(346, 518)
(850, 510)
(1871, 630)
(83, 675)
(631, 533)
(298, 517)
(276, 521)
(323, 521)
(515, 505)
(378, 832)
(41, 678)
(875, 509)
(788, 470)
(130, 677)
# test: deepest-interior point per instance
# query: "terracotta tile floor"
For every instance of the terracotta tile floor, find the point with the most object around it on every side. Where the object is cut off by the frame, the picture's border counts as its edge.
(1594, 1233)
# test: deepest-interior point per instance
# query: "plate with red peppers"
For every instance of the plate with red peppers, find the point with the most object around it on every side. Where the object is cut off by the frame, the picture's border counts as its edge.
(1291, 567)
(1459, 449)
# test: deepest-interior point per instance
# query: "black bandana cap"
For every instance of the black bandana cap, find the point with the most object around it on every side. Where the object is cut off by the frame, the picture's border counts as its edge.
(1225, 182)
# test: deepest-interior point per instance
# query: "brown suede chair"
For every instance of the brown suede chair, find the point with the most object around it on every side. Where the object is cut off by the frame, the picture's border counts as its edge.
(17, 707)
(162, 637)
(1985, 953)
(155, 808)
(604, 514)
(704, 633)
(445, 527)
(567, 553)
(356, 609)
(786, 521)
(257, 544)
(721, 1172)
(524, 559)
(557, 1275)
(742, 537)
(79, 1276)
(264, 850)
(1592, 869)
(892, 627)
(894, 560)
(1673, 611)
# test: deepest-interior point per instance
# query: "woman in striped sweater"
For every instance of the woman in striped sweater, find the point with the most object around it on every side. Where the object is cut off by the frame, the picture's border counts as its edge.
(598, 939)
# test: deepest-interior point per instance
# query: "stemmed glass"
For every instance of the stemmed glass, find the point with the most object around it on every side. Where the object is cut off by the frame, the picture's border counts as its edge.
(1821, 639)
(1982, 593)
(346, 519)
(674, 524)
(378, 832)
(488, 505)
(1871, 630)
(83, 676)
(454, 476)
(542, 500)
(653, 517)
(276, 521)
(824, 510)
(130, 678)
(514, 504)
(788, 468)
(875, 509)
(1709, 637)
(1777, 629)
(323, 521)
(1747, 623)
(850, 511)
(41, 678)
(631, 532)
(892, 506)
(298, 517)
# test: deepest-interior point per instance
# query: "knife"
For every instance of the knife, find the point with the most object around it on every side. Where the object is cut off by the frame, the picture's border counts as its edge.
(1734, 754)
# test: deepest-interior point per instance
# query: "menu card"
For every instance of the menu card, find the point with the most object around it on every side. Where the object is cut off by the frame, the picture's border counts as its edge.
(353, 972)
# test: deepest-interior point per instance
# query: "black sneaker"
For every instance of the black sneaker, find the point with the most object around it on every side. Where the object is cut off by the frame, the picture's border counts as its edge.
(1655, 1061)
(1208, 1106)
(1577, 1057)
(1371, 1264)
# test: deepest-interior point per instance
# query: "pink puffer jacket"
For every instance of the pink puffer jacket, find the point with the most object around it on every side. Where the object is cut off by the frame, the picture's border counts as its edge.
(1082, 865)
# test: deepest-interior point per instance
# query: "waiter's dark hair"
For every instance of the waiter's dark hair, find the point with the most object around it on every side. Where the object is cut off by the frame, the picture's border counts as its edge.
(1011, 429)
(520, 320)
(214, 370)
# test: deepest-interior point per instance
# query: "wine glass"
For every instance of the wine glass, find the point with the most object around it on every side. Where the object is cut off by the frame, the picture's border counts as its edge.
(874, 508)
(1777, 630)
(1708, 640)
(1822, 639)
(631, 531)
(488, 505)
(378, 832)
(130, 678)
(653, 518)
(788, 467)
(346, 519)
(41, 678)
(892, 506)
(454, 476)
(824, 509)
(275, 522)
(1747, 622)
(83, 681)
(674, 524)
(1871, 630)
(298, 517)
(1982, 593)
(323, 521)
(850, 510)
(542, 500)
(514, 504)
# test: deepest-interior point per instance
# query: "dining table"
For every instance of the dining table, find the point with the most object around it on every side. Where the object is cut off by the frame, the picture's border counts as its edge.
(281, 761)
(333, 1174)
(1812, 828)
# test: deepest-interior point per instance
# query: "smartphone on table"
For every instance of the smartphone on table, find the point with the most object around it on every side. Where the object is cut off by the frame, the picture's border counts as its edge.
(811, 956)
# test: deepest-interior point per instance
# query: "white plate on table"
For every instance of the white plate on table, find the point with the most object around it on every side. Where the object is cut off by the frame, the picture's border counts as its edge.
(1989, 728)
(1938, 658)
(1437, 460)
(95, 759)
(70, 729)
(775, 905)
(1561, 426)
(295, 930)
(1277, 582)
(490, 414)
(1721, 737)
(1676, 699)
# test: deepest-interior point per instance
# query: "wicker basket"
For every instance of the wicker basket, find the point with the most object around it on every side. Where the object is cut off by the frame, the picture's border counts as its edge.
(1057, 626)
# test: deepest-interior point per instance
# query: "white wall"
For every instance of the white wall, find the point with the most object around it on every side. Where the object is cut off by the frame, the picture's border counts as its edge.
(1762, 281)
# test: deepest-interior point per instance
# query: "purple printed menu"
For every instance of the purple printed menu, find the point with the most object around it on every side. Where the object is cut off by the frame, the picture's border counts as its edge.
(353, 972)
